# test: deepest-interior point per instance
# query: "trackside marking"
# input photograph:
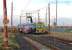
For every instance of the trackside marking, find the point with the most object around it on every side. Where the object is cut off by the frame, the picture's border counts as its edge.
(36, 44)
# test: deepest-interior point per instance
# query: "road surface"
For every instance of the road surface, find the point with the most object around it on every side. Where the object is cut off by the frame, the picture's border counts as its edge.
(24, 45)
(28, 44)
(51, 41)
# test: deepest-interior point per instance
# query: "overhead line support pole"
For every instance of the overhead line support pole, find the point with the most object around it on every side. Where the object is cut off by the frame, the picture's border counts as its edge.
(12, 14)
(49, 15)
(56, 12)
(5, 22)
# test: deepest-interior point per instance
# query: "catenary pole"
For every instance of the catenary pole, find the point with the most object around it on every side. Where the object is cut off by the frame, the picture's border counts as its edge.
(49, 15)
(5, 22)
(11, 13)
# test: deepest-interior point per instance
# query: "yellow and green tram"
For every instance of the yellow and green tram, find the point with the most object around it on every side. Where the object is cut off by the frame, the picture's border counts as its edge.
(41, 28)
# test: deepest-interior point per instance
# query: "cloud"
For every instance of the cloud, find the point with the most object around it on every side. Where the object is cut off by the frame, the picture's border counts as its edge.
(64, 9)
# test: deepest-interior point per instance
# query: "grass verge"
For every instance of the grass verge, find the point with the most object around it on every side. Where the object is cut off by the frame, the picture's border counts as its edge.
(13, 45)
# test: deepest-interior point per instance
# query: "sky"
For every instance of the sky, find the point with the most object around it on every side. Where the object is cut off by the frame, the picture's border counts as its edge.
(21, 6)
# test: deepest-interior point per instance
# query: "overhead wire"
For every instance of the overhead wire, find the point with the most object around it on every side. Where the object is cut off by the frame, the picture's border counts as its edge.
(22, 11)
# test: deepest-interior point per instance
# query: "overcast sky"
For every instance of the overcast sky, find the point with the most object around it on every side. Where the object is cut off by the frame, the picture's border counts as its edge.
(64, 7)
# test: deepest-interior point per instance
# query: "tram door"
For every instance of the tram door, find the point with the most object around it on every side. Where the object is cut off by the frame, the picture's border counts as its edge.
(29, 19)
